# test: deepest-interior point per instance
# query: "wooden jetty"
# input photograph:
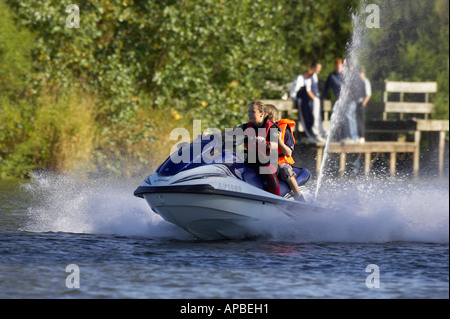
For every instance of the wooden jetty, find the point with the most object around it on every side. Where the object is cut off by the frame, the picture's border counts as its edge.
(385, 117)
(368, 149)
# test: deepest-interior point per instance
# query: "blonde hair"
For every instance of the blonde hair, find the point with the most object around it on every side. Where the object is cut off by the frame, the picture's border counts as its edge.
(272, 112)
(260, 105)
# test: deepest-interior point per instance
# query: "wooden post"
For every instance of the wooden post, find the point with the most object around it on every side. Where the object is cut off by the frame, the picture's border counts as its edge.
(441, 152)
(367, 163)
(417, 136)
(342, 158)
(393, 163)
(426, 101)
(385, 100)
(319, 158)
(402, 94)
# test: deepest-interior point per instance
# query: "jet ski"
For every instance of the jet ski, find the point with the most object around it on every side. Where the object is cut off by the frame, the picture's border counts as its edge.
(213, 195)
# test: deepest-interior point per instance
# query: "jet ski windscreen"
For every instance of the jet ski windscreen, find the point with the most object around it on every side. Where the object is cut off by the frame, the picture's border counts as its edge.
(188, 156)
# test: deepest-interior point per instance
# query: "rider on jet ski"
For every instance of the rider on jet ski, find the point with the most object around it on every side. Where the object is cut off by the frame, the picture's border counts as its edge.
(265, 132)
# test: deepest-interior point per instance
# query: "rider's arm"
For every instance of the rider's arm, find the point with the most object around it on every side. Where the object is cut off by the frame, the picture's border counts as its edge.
(286, 150)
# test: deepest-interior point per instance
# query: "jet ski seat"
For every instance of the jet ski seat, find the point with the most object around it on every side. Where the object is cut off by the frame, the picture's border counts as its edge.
(251, 177)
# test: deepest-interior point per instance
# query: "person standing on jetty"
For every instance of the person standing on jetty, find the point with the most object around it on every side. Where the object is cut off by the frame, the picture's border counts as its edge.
(313, 92)
(361, 107)
(334, 81)
(304, 92)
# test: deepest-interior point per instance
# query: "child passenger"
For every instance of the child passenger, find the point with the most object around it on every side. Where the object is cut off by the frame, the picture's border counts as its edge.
(286, 143)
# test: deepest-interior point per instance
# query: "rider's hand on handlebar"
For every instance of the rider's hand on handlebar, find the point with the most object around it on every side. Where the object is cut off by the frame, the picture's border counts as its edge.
(261, 139)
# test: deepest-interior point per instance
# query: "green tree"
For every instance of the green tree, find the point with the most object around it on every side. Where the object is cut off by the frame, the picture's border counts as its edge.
(183, 54)
(15, 53)
(149, 65)
(412, 44)
(317, 30)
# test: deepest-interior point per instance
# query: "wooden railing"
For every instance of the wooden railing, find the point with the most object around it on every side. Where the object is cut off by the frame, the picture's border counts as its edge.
(401, 106)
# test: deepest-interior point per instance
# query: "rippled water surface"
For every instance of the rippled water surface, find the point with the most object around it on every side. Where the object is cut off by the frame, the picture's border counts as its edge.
(121, 249)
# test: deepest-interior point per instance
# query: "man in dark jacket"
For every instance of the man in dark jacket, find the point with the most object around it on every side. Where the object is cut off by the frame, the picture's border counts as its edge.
(334, 80)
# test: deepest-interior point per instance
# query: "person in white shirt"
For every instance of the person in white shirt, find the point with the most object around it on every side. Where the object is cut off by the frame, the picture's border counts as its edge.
(305, 94)
(361, 107)
(298, 95)
(312, 88)
(298, 83)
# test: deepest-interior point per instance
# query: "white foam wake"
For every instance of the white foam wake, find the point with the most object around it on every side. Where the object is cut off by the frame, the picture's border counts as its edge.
(373, 211)
(362, 211)
(61, 203)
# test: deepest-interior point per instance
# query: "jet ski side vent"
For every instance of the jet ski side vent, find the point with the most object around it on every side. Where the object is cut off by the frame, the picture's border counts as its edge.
(202, 176)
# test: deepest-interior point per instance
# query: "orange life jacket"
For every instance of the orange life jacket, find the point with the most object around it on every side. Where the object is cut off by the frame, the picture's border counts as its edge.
(284, 124)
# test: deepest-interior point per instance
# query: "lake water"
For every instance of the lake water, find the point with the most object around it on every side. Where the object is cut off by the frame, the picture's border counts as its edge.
(67, 237)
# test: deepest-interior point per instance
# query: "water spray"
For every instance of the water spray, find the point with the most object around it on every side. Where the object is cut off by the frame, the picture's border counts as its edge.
(354, 49)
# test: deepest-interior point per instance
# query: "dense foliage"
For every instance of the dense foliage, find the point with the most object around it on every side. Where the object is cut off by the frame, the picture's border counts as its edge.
(412, 44)
(106, 95)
